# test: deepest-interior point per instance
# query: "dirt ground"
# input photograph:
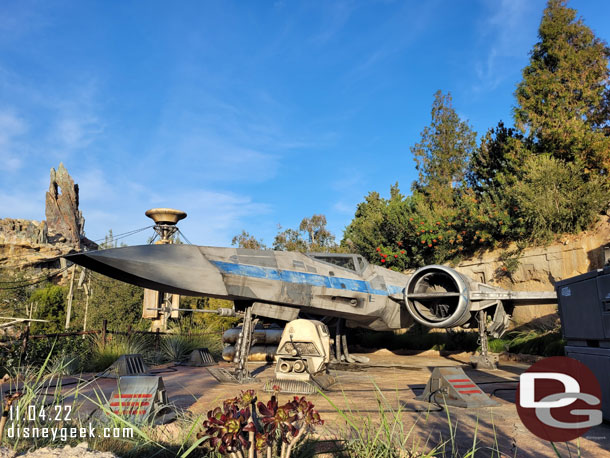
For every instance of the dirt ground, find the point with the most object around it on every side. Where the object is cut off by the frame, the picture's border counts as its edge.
(399, 380)
(394, 381)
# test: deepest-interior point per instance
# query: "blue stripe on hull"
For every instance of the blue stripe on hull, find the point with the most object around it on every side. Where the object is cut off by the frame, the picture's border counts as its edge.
(303, 278)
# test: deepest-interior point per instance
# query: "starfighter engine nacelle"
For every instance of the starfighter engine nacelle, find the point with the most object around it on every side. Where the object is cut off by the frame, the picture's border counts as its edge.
(438, 297)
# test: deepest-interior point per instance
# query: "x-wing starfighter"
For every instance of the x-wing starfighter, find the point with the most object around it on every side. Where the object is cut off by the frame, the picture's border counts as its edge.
(282, 285)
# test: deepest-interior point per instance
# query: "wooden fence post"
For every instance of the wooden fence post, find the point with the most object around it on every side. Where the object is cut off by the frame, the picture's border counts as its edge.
(24, 344)
(70, 297)
(26, 337)
(157, 337)
(104, 330)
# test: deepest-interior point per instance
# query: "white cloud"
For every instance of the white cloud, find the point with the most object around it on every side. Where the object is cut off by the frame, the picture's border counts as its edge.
(20, 19)
(508, 32)
(75, 123)
(346, 208)
(75, 131)
(335, 16)
(95, 187)
(218, 159)
(22, 204)
(12, 127)
(393, 37)
(214, 216)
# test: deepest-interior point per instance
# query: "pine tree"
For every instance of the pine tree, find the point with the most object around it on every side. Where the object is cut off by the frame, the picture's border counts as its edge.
(562, 101)
(442, 154)
(498, 161)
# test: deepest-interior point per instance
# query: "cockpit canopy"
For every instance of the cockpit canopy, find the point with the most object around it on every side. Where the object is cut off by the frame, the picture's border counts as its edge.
(353, 262)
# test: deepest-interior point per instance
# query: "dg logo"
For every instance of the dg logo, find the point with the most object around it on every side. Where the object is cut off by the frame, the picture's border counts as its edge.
(559, 399)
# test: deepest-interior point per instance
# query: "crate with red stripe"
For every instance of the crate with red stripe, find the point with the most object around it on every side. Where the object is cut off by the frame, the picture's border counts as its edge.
(451, 386)
(139, 398)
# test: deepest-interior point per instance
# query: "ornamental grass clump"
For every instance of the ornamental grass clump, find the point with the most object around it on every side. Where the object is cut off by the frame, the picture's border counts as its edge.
(105, 352)
(244, 427)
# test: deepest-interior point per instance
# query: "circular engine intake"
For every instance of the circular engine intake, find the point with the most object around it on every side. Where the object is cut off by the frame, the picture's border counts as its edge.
(437, 297)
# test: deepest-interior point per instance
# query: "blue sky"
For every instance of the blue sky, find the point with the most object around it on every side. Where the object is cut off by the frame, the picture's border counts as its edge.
(244, 114)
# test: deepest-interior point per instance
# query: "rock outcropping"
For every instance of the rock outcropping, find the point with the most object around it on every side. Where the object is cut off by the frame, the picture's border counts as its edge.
(24, 244)
(27, 243)
(64, 220)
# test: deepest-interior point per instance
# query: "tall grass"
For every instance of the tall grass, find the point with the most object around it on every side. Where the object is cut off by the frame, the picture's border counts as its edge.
(40, 403)
(198, 336)
(178, 347)
(103, 354)
(41, 391)
(390, 432)
(65, 364)
(384, 435)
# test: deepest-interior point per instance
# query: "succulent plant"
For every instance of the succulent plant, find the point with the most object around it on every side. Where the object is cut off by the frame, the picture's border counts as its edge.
(224, 428)
(243, 424)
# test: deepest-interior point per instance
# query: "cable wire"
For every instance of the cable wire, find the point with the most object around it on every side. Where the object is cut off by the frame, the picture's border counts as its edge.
(32, 283)
(124, 234)
(114, 238)
(184, 237)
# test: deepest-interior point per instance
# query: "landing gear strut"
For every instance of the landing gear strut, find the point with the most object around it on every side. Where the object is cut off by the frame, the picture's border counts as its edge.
(484, 360)
(341, 350)
(244, 341)
(240, 373)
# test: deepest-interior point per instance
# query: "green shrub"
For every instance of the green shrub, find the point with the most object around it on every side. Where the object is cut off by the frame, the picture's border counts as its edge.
(556, 197)
(50, 306)
(178, 347)
(498, 345)
(531, 342)
(39, 349)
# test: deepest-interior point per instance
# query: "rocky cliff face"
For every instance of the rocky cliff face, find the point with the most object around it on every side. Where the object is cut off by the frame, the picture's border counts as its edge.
(25, 243)
(539, 268)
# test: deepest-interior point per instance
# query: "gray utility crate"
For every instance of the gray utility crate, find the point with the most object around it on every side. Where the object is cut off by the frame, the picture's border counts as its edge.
(584, 308)
(598, 360)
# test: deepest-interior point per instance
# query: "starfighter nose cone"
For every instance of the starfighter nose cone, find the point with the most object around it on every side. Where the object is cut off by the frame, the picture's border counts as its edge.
(178, 269)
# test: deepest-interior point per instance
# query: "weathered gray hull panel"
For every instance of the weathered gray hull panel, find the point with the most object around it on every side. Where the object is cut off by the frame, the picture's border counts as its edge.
(335, 285)
(178, 269)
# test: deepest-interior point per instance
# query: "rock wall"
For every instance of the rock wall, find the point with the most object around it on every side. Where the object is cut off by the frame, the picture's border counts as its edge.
(539, 268)
(26, 243)
(13, 231)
